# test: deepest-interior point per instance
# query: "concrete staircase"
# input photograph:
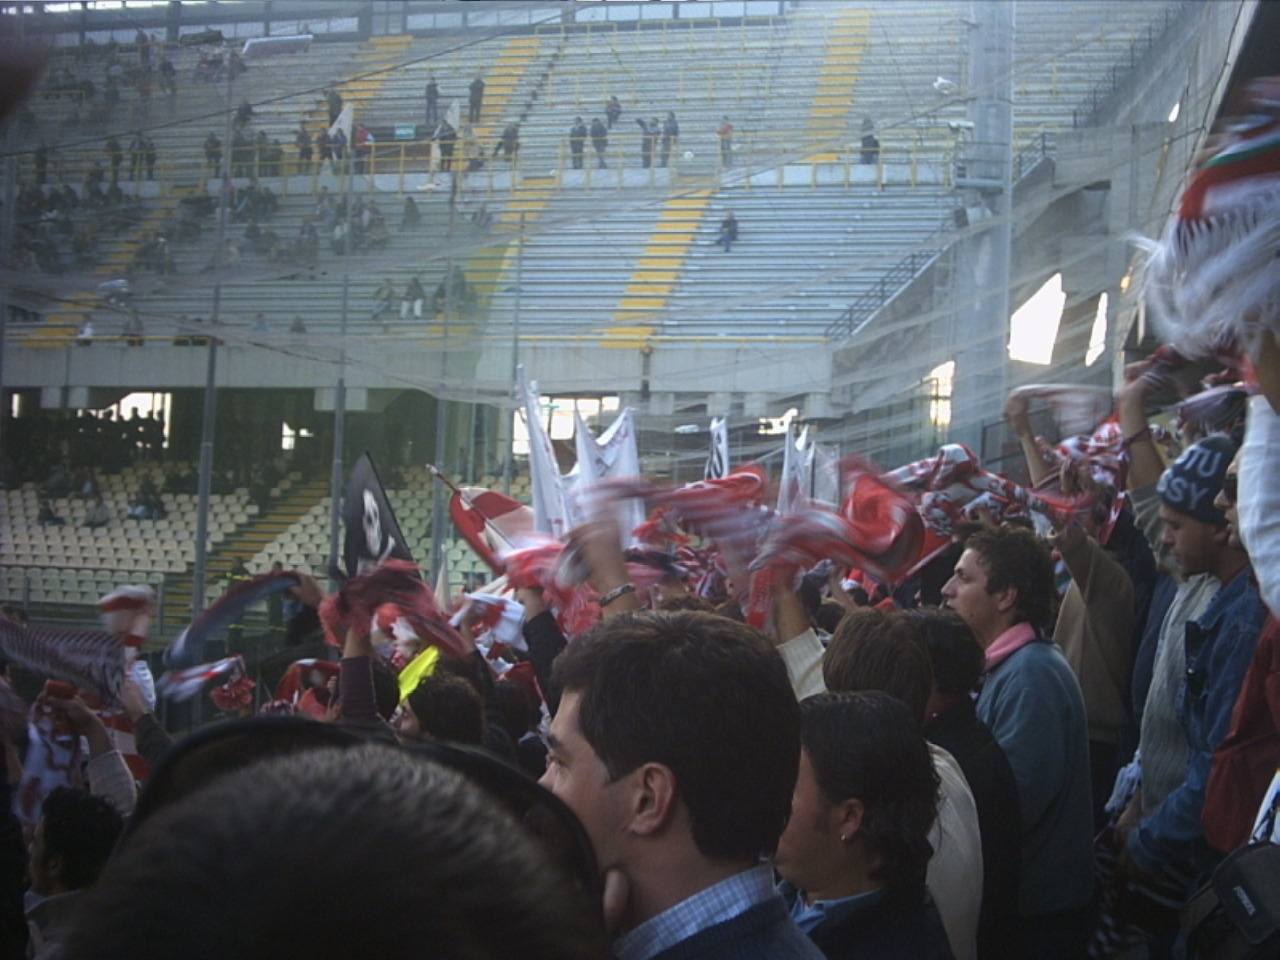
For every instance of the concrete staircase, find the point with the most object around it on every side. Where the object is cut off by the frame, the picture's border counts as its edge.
(833, 97)
(657, 270)
(243, 544)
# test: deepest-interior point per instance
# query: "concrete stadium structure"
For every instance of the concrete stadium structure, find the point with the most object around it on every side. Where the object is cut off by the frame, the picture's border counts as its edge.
(1016, 141)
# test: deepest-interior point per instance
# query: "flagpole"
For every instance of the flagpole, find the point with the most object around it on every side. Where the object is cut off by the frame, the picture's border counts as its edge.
(468, 501)
(340, 393)
(508, 466)
(209, 413)
(442, 422)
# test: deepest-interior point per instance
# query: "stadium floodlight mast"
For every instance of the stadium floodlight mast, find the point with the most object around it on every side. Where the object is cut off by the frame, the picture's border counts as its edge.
(262, 47)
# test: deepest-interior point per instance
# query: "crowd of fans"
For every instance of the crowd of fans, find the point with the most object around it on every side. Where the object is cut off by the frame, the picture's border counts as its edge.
(1012, 753)
(1042, 740)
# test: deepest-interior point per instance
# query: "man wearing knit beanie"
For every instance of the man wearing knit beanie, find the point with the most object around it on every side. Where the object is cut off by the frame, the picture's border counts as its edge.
(1167, 850)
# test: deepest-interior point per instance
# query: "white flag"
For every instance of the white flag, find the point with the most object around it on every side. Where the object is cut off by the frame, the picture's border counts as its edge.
(825, 475)
(614, 454)
(345, 121)
(550, 510)
(718, 456)
(797, 468)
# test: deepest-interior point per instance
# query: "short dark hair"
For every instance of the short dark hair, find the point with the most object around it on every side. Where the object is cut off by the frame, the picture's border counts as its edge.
(386, 689)
(516, 707)
(81, 829)
(864, 744)
(1018, 559)
(954, 652)
(248, 862)
(828, 615)
(874, 650)
(709, 698)
(448, 708)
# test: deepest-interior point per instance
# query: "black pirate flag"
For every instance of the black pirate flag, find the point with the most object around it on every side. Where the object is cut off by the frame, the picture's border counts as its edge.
(372, 534)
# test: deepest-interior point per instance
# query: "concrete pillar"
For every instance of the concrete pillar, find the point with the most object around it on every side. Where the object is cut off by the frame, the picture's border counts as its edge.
(980, 325)
(755, 405)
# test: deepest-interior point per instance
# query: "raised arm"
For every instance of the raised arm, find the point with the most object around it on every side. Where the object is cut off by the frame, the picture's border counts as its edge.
(1145, 462)
(1016, 414)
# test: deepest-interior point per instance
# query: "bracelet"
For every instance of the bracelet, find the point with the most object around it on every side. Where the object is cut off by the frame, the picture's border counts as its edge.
(617, 592)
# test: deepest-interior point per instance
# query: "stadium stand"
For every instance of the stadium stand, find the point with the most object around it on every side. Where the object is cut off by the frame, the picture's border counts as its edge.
(610, 254)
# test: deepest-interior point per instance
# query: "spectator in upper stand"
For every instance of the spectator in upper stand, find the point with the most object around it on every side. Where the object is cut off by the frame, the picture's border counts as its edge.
(46, 517)
(133, 330)
(168, 77)
(1003, 588)
(384, 297)
(446, 137)
(870, 144)
(324, 150)
(670, 136)
(235, 65)
(599, 140)
(649, 131)
(728, 232)
(577, 142)
(149, 156)
(362, 146)
(724, 133)
(475, 99)
(410, 217)
(137, 156)
(302, 140)
(432, 94)
(98, 515)
(298, 327)
(509, 143)
(244, 113)
(338, 144)
(676, 742)
(854, 853)
(414, 299)
(952, 723)
(69, 849)
(333, 99)
(612, 111)
(213, 152)
(115, 154)
(84, 337)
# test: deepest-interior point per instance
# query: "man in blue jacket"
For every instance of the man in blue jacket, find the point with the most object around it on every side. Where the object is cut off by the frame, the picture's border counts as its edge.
(1170, 842)
(1003, 588)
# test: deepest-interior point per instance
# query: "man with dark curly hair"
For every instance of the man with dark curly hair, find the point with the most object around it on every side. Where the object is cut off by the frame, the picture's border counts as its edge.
(1003, 588)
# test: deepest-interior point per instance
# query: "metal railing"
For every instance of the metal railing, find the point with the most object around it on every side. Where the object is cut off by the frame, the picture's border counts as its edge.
(859, 313)
(1087, 113)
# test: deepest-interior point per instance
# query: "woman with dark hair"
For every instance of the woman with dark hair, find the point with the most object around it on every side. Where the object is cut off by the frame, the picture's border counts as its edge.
(855, 851)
